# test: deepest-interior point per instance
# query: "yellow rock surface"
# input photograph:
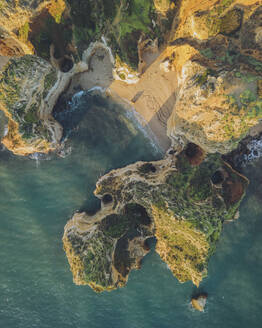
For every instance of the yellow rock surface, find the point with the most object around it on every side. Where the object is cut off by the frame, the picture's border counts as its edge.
(177, 243)
(199, 302)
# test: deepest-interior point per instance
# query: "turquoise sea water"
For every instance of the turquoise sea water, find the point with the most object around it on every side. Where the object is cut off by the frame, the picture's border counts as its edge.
(36, 200)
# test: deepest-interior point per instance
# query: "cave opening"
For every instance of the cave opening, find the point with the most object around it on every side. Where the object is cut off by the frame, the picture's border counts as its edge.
(147, 168)
(66, 64)
(107, 199)
(217, 178)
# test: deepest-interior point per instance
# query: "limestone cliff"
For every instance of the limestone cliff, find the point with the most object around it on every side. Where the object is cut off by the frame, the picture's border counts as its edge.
(64, 33)
(26, 86)
(32, 26)
(123, 23)
(216, 108)
(208, 75)
(201, 62)
(207, 57)
(216, 52)
(182, 201)
(21, 20)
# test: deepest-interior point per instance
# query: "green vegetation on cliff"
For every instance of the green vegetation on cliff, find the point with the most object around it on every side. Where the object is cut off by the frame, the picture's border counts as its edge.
(121, 21)
(24, 83)
(183, 206)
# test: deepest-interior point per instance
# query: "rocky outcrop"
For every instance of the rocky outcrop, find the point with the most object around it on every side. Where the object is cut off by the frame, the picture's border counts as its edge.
(209, 68)
(199, 302)
(63, 33)
(27, 87)
(208, 76)
(122, 23)
(181, 203)
(163, 6)
(30, 87)
(18, 25)
(208, 101)
(219, 73)
(30, 27)
(201, 61)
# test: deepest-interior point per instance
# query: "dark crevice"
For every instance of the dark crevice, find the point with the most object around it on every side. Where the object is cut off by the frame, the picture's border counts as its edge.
(217, 178)
(107, 199)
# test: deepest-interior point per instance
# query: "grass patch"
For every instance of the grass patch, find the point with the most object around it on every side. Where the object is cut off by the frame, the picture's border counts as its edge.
(23, 32)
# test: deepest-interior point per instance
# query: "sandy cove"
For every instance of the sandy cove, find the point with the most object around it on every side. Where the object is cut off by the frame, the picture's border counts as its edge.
(153, 96)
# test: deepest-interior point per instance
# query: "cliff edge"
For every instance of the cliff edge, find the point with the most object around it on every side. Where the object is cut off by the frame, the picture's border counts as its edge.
(181, 200)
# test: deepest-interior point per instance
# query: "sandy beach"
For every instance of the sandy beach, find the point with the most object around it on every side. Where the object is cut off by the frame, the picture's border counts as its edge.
(153, 96)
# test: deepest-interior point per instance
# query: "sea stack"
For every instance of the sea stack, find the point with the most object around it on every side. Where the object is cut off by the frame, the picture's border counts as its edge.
(199, 302)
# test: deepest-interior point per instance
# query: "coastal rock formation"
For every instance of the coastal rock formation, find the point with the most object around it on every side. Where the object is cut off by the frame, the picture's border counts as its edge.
(201, 62)
(63, 33)
(219, 73)
(21, 20)
(182, 201)
(199, 302)
(208, 75)
(123, 23)
(208, 101)
(30, 27)
(206, 57)
(27, 86)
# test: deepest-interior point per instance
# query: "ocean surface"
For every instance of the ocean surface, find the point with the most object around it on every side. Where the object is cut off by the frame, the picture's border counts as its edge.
(38, 196)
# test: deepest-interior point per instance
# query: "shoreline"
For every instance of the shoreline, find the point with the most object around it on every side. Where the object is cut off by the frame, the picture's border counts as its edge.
(152, 102)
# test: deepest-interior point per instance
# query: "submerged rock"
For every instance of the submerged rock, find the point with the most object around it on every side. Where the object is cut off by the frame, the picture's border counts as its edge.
(173, 199)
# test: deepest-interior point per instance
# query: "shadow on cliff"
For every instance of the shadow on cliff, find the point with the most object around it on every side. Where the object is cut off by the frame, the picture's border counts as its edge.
(44, 31)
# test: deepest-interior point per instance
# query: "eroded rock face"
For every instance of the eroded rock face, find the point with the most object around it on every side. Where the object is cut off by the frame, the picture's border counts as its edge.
(216, 109)
(103, 250)
(217, 56)
(26, 85)
(179, 203)
(122, 23)
(61, 32)
(30, 27)
(15, 23)
(212, 48)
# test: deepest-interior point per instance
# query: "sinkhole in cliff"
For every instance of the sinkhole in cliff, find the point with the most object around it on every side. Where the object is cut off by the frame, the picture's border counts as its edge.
(147, 168)
(135, 217)
(107, 199)
(195, 154)
(217, 177)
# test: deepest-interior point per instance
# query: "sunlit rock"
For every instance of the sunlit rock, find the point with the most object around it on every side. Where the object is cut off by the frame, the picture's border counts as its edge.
(173, 199)
(199, 302)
